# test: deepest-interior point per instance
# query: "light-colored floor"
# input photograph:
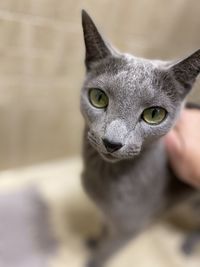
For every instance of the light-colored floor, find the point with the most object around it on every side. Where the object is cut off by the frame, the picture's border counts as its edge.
(73, 217)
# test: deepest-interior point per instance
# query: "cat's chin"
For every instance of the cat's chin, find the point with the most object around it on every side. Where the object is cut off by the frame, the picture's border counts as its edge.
(113, 159)
(109, 157)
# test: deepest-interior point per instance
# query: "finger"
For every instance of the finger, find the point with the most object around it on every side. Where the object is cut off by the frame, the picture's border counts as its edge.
(173, 144)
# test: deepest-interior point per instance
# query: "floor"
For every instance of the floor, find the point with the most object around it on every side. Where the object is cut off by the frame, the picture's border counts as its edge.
(45, 218)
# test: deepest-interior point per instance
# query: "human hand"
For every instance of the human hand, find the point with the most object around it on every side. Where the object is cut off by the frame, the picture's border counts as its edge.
(183, 147)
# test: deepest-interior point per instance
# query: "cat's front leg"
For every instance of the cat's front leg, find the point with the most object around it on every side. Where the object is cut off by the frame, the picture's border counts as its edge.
(108, 247)
(190, 242)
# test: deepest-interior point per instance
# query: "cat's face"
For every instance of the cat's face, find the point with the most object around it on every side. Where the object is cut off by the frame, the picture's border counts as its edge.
(128, 102)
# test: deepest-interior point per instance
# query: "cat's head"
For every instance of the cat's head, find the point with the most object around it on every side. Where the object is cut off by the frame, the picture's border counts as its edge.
(130, 102)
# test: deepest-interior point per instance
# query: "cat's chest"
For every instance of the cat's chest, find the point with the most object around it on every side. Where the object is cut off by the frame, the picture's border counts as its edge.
(129, 193)
(128, 181)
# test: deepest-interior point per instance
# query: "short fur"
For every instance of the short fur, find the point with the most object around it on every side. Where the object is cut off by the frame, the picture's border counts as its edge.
(133, 185)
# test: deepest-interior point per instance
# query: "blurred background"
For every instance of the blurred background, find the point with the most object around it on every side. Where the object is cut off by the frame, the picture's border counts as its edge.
(45, 215)
(41, 67)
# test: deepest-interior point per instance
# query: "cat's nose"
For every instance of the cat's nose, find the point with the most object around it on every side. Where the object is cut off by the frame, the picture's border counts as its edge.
(111, 146)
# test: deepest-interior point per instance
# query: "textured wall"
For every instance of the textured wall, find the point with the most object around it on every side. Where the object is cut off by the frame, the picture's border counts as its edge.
(41, 67)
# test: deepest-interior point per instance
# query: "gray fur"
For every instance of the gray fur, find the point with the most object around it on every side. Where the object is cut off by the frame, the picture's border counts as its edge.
(134, 184)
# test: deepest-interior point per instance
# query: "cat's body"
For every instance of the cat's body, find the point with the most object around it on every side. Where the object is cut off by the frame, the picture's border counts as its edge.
(131, 192)
(126, 170)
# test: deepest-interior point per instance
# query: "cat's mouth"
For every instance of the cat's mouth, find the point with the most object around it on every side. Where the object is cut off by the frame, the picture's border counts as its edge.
(114, 158)
(109, 157)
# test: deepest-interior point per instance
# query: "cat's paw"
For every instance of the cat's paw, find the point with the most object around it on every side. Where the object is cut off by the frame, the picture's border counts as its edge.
(190, 243)
(92, 243)
(92, 263)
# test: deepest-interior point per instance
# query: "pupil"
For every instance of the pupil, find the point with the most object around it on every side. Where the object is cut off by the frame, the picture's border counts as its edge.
(154, 113)
(99, 97)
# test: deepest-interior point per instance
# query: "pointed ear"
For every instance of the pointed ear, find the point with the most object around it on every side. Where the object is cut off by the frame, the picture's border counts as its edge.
(95, 46)
(186, 71)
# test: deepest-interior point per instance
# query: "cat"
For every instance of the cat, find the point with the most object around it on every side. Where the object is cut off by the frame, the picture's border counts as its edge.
(129, 104)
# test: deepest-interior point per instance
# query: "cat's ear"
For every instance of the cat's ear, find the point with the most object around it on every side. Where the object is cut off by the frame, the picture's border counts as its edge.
(186, 71)
(96, 48)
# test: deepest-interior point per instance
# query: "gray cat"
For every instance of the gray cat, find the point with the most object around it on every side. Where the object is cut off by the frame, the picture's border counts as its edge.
(129, 104)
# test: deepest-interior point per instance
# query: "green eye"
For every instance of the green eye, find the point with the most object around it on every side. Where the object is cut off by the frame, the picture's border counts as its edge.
(98, 98)
(154, 115)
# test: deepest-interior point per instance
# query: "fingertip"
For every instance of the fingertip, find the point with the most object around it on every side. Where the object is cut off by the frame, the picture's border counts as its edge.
(173, 143)
(170, 138)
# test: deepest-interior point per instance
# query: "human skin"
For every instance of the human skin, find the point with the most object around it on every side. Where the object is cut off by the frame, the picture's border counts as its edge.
(183, 147)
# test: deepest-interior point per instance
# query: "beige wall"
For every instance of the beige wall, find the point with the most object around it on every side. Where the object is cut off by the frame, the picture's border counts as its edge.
(41, 67)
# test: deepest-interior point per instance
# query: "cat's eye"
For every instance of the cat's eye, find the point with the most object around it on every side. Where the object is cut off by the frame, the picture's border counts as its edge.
(98, 98)
(154, 115)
